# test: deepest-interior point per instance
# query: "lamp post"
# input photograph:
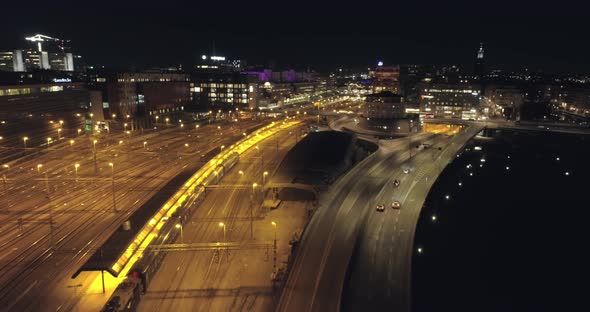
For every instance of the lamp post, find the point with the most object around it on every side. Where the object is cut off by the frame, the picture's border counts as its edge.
(79, 131)
(39, 168)
(94, 156)
(59, 132)
(48, 142)
(72, 143)
(113, 182)
(261, 157)
(264, 177)
(179, 226)
(25, 139)
(4, 176)
(76, 166)
(254, 185)
(144, 144)
(222, 225)
(274, 256)
(125, 127)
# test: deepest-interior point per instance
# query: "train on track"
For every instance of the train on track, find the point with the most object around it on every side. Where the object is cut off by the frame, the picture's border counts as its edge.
(127, 295)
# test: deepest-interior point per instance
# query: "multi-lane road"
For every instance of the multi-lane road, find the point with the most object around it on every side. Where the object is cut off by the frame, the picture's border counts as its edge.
(55, 213)
(347, 217)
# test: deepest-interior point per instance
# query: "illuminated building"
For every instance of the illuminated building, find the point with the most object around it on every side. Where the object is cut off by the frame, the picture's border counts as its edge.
(142, 94)
(504, 99)
(384, 105)
(47, 53)
(225, 91)
(479, 62)
(449, 100)
(39, 99)
(385, 78)
(386, 112)
(12, 61)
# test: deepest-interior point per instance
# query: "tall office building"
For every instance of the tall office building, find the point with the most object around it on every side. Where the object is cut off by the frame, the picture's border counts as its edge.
(479, 69)
(385, 78)
(12, 61)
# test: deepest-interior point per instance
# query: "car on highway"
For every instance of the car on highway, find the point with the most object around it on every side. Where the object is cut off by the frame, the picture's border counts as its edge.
(396, 205)
(406, 170)
(396, 183)
(380, 207)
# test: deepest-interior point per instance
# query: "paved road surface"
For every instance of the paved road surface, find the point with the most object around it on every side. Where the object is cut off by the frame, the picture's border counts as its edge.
(317, 276)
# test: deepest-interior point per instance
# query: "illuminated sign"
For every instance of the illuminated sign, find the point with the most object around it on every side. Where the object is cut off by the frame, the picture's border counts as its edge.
(62, 80)
(380, 63)
(218, 58)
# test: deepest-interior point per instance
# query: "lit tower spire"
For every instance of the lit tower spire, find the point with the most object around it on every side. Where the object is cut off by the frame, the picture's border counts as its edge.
(480, 51)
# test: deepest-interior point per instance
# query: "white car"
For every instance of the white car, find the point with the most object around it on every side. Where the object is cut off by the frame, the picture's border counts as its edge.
(380, 207)
(396, 205)
(406, 170)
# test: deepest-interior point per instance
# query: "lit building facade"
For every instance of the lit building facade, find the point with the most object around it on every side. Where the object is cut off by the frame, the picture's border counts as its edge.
(384, 105)
(504, 100)
(42, 99)
(386, 78)
(214, 91)
(47, 53)
(450, 100)
(141, 95)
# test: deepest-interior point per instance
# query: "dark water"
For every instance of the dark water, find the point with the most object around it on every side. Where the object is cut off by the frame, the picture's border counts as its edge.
(511, 239)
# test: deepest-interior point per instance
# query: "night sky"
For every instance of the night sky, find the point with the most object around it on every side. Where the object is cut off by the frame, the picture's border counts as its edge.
(309, 33)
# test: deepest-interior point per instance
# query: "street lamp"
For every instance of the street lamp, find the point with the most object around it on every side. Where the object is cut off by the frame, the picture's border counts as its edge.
(222, 225)
(61, 123)
(25, 139)
(59, 132)
(264, 177)
(79, 131)
(222, 147)
(144, 144)
(167, 120)
(76, 166)
(113, 182)
(94, 156)
(274, 258)
(125, 127)
(241, 173)
(6, 166)
(48, 142)
(72, 142)
(39, 168)
(179, 226)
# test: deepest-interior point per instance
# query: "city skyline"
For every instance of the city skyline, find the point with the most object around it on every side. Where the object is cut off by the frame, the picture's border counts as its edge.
(325, 38)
